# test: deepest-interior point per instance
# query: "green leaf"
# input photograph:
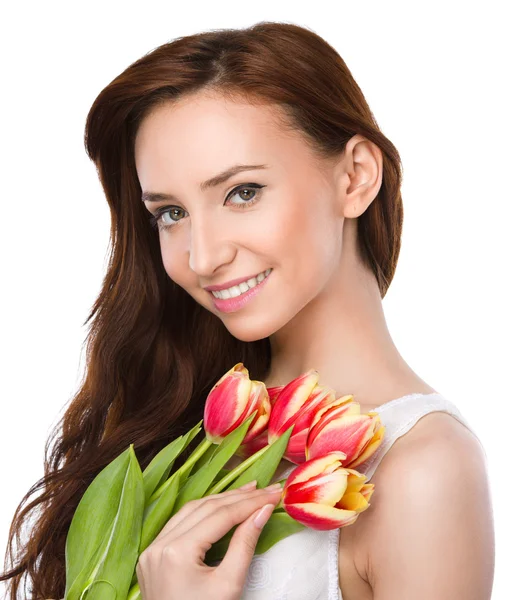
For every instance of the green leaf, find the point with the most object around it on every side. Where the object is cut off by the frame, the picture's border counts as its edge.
(264, 468)
(134, 592)
(158, 513)
(203, 459)
(93, 515)
(111, 543)
(160, 466)
(105, 591)
(185, 469)
(156, 516)
(229, 477)
(279, 526)
(222, 473)
(197, 484)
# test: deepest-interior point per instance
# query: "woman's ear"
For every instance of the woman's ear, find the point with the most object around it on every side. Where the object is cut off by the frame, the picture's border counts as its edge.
(360, 176)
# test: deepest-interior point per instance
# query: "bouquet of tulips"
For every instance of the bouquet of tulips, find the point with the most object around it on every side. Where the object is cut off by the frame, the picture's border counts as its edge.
(124, 509)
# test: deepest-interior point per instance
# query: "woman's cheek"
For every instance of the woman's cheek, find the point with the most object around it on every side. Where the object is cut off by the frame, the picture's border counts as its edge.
(171, 265)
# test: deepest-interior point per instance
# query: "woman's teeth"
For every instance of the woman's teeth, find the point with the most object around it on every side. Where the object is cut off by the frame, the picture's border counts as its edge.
(236, 290)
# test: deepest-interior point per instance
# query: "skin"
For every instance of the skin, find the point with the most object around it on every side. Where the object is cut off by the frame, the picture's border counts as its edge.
(322, 309)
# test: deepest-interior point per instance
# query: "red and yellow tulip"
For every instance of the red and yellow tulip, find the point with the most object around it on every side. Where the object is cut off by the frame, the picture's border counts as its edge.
(295, 404)
(322, 494)
(232, 400)
(254, 444)
(340, 426)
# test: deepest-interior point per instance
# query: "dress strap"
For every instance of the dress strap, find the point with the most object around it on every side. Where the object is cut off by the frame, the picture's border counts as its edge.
(400, 415)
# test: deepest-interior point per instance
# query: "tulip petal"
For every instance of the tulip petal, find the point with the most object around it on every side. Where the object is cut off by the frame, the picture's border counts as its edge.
(301, 420)
(255, 396)
(260, 402)
(345, 402)
(349, 434)
(313, 467)
(367, 490)
(304, 417)
(335, 412)
(289, 401)
(295, 451)
(354, 501)
(249, 448)
(322, 489)
(273, 393)
(371, 447)
(355, 480)
(321, 516)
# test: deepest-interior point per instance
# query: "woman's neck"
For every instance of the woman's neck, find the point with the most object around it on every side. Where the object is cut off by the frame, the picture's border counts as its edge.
(343, 334)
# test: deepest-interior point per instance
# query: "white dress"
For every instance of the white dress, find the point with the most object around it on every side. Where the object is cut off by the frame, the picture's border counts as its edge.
(304, 566)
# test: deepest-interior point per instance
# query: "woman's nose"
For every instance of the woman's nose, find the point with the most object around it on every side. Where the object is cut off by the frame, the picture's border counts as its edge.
(209, 248)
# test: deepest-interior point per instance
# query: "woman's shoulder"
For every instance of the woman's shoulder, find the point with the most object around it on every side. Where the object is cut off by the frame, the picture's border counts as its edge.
(432, 480)
(435, 443)
(435, 446)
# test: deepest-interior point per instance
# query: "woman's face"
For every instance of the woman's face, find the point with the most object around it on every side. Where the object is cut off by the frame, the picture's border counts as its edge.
(284, 217)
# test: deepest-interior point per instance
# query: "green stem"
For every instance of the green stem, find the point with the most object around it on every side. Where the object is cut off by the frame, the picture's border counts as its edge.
(134, 592)
(234, 473)
(187, 466)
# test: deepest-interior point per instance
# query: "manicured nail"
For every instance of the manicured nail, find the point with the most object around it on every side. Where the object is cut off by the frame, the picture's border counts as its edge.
(275, 487)
(249, 486)
(263, 515)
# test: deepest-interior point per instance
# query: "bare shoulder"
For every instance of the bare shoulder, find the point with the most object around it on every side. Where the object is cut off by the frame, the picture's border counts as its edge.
(429, 530)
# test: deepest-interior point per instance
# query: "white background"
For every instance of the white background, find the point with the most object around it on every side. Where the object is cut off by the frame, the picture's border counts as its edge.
(434, 75)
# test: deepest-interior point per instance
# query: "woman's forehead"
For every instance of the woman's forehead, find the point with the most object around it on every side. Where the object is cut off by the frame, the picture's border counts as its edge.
(205, 136)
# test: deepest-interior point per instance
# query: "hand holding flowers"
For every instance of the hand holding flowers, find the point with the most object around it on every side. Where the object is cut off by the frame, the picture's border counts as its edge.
(124, 509)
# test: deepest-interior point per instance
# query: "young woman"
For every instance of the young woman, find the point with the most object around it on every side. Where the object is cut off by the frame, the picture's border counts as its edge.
(256, 217)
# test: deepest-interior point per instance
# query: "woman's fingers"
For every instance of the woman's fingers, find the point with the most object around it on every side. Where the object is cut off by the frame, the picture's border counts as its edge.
(191, 507)
(209, 505)
(221, 519)
(235, 564)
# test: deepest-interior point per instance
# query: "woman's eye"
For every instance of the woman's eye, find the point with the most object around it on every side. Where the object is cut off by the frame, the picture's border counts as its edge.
(171, 211)
(251, 188)
(157, 221)
(246, 201)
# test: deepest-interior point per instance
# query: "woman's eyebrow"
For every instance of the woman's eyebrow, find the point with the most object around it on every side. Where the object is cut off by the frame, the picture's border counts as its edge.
(213, 182)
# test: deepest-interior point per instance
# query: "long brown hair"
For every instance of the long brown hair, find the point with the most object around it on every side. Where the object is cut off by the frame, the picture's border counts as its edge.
(152, 352)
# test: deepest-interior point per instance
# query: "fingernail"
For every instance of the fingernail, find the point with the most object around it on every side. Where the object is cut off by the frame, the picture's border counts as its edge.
(263, 515)
(274, 487)
(249, 486)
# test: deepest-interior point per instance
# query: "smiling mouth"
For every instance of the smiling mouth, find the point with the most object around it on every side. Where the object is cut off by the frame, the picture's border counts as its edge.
(241, 288)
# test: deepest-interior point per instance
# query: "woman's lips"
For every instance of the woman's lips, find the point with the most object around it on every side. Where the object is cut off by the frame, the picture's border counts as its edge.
(233, 304)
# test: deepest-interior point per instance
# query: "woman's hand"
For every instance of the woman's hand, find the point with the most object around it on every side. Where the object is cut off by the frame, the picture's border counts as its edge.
(172, 566)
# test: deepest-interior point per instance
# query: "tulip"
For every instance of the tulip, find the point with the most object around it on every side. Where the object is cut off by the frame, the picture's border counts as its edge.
(295, 404)
(322, 494)
(250, 448)
(258, 442)
(231, 401)
(273, 393)
(339, 426)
